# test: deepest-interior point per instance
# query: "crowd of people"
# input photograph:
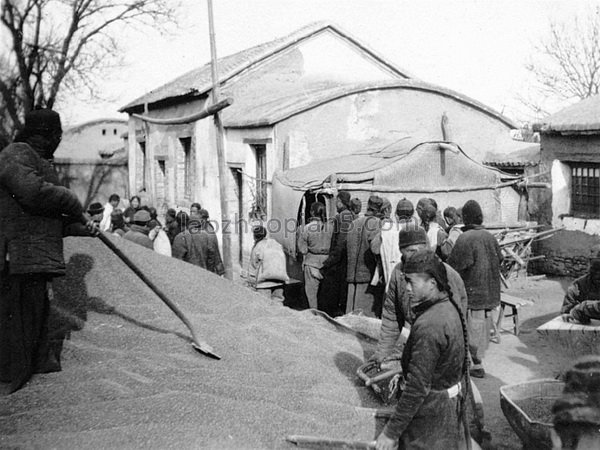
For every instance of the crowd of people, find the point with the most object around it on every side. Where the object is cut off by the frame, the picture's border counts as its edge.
(189, 237)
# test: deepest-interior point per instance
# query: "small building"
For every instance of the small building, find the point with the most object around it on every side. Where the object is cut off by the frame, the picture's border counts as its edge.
(316, 94)
(92, 160)
(570, 160)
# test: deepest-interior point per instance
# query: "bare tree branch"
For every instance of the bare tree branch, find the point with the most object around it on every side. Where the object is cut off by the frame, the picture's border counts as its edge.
(566, 64)
(63, 46)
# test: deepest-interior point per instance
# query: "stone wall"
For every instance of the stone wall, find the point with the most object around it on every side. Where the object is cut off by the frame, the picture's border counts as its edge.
(566, 253)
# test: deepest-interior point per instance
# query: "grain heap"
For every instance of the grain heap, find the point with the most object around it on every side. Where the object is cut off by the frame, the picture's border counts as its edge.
(131, 379)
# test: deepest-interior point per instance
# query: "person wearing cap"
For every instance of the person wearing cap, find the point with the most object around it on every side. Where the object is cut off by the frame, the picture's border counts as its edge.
(195, 246)
(36, 212)
(111, 205)
(430, 412)
(314, 240)
(476, 256)
(96, 212)
(576, 413)
(334, 288)
(396, 312)
(362, 246)
(139, 230)
(582, 300)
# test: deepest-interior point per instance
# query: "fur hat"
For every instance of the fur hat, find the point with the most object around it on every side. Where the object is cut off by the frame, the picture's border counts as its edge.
(426, 261)
(472, 213)
(95, 209)
(375, 203)
(412, 237)
(405, 208)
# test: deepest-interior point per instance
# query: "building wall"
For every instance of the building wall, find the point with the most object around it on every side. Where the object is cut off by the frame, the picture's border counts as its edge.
(86, 140)
(378, 117)
(567, 251)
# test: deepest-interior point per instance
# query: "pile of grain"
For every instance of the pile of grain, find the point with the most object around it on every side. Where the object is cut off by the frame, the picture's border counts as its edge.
(538, 409)
(131, 379)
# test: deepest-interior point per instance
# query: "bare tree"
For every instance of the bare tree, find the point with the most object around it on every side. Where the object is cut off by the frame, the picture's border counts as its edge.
(566, 63)
(64, 45)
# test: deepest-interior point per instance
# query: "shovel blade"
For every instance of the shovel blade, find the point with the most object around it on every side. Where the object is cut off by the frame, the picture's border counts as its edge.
(205, 349)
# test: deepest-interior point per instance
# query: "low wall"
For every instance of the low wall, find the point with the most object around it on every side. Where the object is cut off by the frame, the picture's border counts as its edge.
(566, 253)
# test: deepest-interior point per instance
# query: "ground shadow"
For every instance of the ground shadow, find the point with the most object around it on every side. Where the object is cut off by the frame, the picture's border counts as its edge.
(71, 304)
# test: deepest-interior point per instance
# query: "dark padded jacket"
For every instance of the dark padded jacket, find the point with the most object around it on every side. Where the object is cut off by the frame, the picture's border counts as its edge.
(139, 235)
(582, 300)
(476, 256)
(432, 361)
(337, 259)
(200, 248)
(34, 210)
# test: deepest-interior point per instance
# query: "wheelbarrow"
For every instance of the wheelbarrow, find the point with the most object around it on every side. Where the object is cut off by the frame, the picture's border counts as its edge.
(384, 381)
(527, 407)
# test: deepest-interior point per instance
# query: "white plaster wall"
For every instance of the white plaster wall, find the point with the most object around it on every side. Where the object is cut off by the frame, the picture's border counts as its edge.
(378, 117)
(561, 191)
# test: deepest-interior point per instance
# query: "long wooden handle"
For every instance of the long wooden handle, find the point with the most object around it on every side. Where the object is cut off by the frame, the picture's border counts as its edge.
(324, 442)
(200, 345)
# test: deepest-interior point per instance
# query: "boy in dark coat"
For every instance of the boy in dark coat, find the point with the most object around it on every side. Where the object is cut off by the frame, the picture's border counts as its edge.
(430, 412)
(35, 213)
(476, 256)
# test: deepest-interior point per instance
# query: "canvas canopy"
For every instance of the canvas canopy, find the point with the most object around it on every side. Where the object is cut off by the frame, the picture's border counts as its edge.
(406, 168)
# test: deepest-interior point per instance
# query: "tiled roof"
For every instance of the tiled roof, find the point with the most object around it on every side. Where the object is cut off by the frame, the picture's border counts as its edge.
(580, 117)
(251, 114)
(198, 81)
(522, 154)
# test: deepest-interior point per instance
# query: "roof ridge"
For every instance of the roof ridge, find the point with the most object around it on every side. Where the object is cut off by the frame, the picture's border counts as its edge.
(264, 50)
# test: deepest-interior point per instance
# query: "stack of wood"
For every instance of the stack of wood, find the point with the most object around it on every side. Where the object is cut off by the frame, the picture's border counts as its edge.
(516, 247)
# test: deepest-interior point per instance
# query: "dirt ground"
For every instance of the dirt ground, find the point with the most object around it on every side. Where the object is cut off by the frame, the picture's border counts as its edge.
(525, 357)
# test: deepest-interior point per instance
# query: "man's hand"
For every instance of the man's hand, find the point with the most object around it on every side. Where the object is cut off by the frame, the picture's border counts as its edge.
(568, 318)
(92, 228)
(386, 443)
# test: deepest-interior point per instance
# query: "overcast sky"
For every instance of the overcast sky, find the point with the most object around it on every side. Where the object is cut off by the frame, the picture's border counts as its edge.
(476, 47)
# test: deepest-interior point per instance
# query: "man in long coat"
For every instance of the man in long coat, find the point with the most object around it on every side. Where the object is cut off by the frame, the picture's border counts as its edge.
(334, 288)
(34, 212)
(362, 246)
(476, 256)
